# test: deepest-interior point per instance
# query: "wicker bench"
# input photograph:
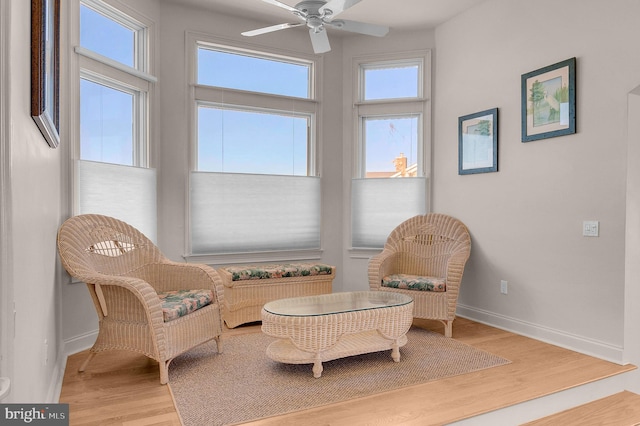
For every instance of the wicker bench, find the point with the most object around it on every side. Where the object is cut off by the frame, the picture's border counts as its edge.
(248, 287)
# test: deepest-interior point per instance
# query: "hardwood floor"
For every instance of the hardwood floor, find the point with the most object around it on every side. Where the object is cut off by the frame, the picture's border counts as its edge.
(622, 409)
(124, 389)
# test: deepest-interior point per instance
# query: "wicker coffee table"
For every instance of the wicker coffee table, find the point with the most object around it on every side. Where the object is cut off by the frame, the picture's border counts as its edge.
(325, 327)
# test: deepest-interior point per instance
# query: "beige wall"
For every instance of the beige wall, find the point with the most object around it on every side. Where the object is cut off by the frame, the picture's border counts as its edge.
(31, 214)
(526, 219)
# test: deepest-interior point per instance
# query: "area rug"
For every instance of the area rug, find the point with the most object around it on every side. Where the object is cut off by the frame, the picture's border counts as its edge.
(243, 384)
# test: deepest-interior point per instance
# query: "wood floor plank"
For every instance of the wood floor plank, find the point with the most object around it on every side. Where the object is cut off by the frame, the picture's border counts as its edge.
(621, 409)
(124, 388)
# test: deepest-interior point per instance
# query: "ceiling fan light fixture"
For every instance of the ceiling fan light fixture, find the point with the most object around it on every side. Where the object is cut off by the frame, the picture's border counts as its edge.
(314, 22)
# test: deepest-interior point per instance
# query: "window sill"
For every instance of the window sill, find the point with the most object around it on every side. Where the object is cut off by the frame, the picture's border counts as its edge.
(115, 64)
(254, 257)
(363, 253)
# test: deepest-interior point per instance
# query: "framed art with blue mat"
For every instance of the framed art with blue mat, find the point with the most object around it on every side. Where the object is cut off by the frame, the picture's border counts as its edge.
(478, 142)
(549, 101)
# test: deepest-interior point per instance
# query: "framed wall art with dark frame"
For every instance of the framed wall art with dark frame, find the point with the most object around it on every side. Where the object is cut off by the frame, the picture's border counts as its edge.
(549, 101)
(478, 142)
(45, 68)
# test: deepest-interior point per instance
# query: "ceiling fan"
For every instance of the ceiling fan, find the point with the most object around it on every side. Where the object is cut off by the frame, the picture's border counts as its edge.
(317, 15)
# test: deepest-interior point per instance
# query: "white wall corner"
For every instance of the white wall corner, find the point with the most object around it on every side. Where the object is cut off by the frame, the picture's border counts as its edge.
(632, 233)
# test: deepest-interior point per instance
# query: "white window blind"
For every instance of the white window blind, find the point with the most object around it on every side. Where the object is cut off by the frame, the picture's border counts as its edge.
(381, 204)
(124, 192)
(241, 213)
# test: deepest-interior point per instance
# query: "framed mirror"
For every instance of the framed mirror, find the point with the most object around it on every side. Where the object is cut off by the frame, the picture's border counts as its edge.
(45, 68)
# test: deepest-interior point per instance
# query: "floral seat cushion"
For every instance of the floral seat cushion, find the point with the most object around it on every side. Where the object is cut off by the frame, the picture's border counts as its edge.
(414, 282)
(176, 304)
(256, 272)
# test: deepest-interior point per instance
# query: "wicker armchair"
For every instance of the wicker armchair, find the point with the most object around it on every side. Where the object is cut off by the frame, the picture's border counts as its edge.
(127, 276)
(424, 257)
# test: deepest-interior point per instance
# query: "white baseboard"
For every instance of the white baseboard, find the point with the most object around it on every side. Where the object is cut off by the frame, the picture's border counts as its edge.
(69, 347)
(55, 386)
(80, 343)
(555, 337)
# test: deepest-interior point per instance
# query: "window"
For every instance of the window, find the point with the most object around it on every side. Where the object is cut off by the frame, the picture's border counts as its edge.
(113, 101)
(254, 184)
(112, 171)
(106, 123)
(390, 103)
(244, 71)
(392, 106)
(264, 119)
(245, 140)
(390, 81)
(391, 145)
(96, 26)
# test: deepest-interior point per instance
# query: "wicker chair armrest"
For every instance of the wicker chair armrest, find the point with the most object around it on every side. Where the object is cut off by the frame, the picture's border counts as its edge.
(142, 290)
(169, 275)
(150, 303)
(455, 269)
(380, 266)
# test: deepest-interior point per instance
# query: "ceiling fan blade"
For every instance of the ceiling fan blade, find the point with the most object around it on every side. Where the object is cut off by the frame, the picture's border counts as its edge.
(270, 29)
(319, 40)
(282, 5)
(337, 6)
(359, 27)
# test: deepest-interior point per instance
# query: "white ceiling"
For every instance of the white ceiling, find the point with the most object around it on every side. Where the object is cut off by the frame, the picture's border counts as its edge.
(397, 14)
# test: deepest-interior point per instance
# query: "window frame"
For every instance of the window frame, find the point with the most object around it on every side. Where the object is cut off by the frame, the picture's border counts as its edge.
(361, 170)
(364, 66)
(140, 148)
(310, 164)
(87, 63)
(140, 31)
(261, 53)
(398, 107)
(110, 73)
(252, 100)
(388, 108)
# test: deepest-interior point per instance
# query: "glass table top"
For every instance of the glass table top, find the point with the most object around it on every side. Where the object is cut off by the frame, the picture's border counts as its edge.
(335, 303)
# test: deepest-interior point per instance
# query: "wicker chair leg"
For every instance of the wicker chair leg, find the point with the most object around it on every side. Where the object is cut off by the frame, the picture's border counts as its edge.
(218, 343)
(164, 372)
(86, 361)
(448, 328)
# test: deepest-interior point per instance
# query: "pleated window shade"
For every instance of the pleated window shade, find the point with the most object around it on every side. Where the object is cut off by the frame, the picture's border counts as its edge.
(124, 192)
(240, 213)
(378, 205)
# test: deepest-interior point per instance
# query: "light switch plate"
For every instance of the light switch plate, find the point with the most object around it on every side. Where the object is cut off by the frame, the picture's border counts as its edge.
(590, 228)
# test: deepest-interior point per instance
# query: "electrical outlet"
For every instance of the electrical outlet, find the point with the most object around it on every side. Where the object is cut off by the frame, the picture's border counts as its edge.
(503, 287)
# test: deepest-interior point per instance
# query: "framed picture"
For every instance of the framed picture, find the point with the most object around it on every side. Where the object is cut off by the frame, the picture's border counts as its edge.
(549, 101)
(45, 68)
(478, 142)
